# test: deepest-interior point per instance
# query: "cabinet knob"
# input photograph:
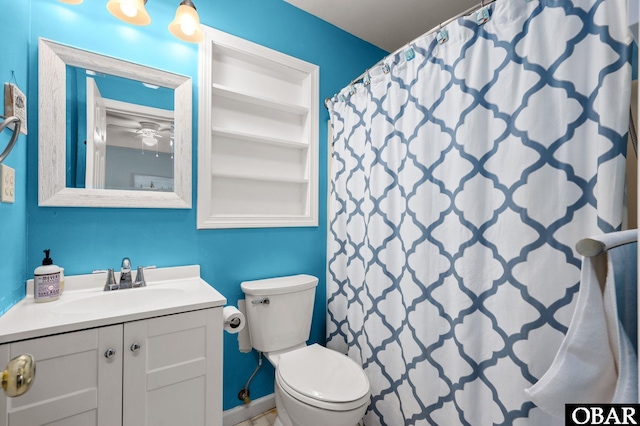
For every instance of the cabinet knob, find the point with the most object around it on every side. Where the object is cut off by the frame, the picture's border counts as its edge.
(135, 347)
(109, 353)
(19, 375)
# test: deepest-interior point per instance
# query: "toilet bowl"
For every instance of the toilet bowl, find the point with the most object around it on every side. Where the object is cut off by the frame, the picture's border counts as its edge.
(314, 386)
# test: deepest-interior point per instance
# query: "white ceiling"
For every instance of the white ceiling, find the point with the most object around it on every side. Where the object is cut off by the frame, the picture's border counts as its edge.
(388, 24)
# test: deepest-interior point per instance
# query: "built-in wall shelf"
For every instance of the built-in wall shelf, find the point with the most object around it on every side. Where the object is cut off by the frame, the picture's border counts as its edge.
(258, 136)
(261, 178)
(245, 136)
(256, 100)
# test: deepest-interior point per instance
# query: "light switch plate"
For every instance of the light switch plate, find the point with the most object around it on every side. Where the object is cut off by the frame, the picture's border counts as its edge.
(7, 184)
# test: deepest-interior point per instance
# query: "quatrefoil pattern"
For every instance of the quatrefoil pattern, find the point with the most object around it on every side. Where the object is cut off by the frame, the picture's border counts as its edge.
(461, 179)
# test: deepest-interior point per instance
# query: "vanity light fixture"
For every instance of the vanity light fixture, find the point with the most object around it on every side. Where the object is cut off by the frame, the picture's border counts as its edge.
(185, 25)
(71, 1)
(129, 11)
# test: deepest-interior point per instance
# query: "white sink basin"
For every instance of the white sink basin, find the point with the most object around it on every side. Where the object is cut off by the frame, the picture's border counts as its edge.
(84, 304)
(117, 301)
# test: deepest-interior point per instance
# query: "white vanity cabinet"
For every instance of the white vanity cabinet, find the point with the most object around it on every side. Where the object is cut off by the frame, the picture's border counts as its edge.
(165, 370)
(75, 384)
(175, 377)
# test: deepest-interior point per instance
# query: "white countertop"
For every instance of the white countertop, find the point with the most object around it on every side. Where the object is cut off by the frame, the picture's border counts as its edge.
(168, 291)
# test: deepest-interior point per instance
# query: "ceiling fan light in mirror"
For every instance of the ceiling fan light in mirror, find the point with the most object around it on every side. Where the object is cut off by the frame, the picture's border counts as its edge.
(130, 11)
(149, 133)
(149, 141)
(186, 24)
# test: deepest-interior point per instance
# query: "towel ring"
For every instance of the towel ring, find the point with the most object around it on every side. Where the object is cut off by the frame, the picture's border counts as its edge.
(14, 138)
(594, 246)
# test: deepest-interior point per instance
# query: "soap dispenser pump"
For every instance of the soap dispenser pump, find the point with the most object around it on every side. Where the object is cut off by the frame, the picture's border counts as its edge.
(46, 280)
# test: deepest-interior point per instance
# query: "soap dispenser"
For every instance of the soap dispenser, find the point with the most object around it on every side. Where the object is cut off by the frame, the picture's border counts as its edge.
(46, 281)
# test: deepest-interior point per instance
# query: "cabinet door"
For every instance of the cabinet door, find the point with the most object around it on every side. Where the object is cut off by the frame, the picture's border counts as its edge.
(75, 384)
(174, 374)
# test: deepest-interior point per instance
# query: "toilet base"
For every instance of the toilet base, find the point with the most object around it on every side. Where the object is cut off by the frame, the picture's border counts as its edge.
(282, 419)
(289, 409)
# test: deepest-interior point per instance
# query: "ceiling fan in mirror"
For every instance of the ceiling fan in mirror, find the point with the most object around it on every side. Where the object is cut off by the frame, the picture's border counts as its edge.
(150, 134)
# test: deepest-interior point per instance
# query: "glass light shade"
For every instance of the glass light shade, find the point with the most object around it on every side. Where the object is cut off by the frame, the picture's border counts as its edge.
(149, 140)
(71, 1)
(186, 24)
(130, 11)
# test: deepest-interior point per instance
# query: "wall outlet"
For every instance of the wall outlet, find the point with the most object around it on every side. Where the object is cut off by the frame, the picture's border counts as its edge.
(7, 184)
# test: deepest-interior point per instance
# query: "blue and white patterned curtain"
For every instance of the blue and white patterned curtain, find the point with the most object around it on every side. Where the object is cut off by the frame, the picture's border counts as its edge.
(462, 177)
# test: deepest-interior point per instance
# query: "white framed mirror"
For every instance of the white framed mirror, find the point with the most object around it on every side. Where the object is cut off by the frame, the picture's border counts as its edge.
(101, 151)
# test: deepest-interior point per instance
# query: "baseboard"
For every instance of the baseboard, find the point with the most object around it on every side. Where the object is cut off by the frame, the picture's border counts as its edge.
(245, 412)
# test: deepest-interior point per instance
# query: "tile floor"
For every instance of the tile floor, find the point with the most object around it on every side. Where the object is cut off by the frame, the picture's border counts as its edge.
(264, 419)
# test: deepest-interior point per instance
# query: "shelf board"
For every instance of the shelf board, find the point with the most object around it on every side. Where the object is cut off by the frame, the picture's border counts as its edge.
(271, 63)
(261, 178)
(231, 93)
(220, 221)
(250, 137)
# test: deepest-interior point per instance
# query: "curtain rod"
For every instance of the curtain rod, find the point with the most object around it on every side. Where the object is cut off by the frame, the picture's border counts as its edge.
(433, 30)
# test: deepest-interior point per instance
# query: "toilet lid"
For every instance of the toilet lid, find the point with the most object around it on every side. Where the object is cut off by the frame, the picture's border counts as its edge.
(323, 374)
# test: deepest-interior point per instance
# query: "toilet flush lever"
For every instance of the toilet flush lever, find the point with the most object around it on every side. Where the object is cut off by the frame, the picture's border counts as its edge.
(263, 301)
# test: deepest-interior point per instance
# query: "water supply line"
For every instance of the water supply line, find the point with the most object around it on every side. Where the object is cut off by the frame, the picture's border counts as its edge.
(244, 393)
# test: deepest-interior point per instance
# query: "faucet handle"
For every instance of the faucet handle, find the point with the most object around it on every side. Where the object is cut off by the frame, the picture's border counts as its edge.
(139, 281)
(111, 283)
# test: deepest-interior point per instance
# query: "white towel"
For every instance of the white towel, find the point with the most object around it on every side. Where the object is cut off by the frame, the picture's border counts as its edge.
(627, 361)
(585, 369)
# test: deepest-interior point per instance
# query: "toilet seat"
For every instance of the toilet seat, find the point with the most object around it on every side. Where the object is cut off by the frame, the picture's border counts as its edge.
(323, 378)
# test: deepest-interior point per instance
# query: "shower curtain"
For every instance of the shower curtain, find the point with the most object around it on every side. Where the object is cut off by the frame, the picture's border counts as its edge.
(462, 176)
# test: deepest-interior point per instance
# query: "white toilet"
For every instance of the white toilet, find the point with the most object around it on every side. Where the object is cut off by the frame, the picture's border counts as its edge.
(314, 386)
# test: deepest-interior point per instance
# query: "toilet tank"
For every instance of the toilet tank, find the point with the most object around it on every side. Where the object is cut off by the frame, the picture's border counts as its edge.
(279, 311)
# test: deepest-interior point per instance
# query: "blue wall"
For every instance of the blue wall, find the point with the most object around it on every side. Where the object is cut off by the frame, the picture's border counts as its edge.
(86, 239)
(14, 29)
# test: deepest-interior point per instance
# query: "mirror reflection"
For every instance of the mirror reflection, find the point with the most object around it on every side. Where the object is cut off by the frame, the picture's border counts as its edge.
(120, 133)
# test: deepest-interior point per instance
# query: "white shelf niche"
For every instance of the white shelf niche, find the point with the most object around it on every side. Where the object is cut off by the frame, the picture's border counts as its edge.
(258, 136)
(238, 115)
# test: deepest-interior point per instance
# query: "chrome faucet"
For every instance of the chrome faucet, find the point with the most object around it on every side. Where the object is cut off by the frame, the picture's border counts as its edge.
(125, 277)
(125, 274)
